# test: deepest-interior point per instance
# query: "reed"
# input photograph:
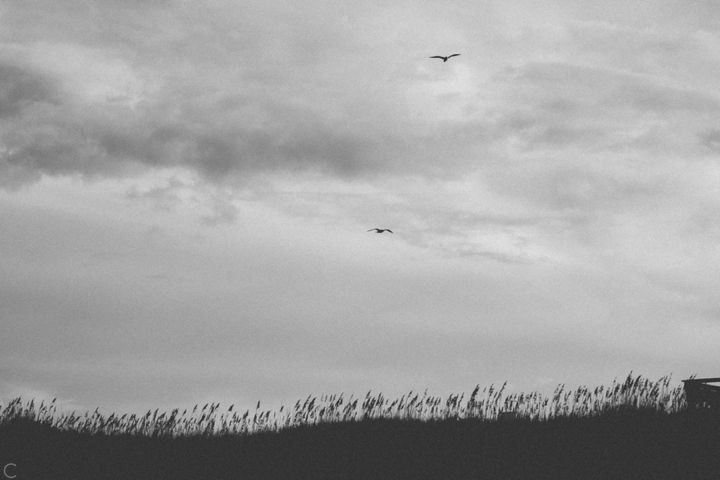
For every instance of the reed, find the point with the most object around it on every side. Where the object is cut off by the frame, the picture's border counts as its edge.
(635, 394)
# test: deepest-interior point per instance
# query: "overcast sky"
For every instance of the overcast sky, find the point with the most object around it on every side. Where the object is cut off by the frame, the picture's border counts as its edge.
(186, 189)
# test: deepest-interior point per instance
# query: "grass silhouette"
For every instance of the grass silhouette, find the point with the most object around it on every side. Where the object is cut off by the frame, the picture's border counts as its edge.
(635, 429)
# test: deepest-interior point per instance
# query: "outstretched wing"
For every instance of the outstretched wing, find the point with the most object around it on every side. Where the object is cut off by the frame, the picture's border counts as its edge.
(388, 230)
(437, 56)
(454, 55)
(372, 229)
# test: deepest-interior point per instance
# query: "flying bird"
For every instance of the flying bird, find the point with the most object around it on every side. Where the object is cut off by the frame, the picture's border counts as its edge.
(380, 230)
(445, 59)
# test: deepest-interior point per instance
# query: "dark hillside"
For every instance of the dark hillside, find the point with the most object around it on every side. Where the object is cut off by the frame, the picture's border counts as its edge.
(630, 445)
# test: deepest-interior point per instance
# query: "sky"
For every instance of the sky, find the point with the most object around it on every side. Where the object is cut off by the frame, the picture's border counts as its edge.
(186, 189)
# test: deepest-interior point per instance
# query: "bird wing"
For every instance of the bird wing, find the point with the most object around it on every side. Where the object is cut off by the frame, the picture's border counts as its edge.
(454, 55)
(372, 229)
(437, 56)
(388, 230)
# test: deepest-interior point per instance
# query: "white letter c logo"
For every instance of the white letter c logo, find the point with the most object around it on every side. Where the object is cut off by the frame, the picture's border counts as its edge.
(5, 470)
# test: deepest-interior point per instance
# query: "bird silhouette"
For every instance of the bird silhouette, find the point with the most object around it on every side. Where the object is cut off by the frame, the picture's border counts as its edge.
(445, 59)
(380, 230)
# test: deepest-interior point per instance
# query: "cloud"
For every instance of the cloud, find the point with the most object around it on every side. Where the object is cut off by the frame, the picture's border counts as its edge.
(233, 135)
(235, 93)
(711, 139)
(551, 191)
(21, 89)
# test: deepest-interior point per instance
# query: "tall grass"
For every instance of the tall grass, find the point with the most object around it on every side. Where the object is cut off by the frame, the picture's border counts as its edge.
(636, 393)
